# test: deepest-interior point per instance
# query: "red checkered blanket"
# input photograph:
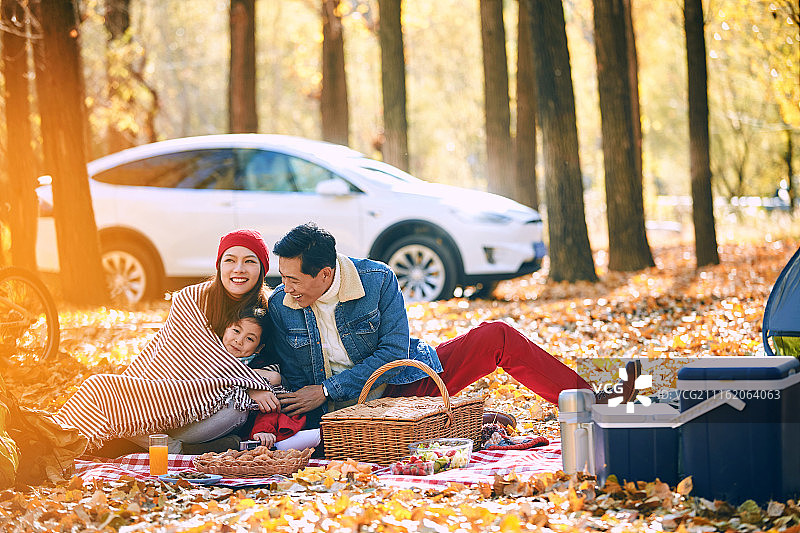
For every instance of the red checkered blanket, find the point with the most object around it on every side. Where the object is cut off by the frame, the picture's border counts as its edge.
(482, 468)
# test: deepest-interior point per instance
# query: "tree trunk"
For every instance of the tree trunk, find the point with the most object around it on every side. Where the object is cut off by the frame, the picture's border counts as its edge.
(499, 150)
(627, 241)
(525, 146)
(242, 111)
(570, 253)
(788, 159)
(705, 235)
(393, 81)
(60, 91)
(20, 161)
(633, 79)
(117, 21)
(333, 98)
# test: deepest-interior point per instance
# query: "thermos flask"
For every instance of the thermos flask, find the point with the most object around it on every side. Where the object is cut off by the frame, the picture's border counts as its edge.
(575, 417)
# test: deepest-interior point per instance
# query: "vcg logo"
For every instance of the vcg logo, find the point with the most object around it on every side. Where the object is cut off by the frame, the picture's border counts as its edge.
(642, 382)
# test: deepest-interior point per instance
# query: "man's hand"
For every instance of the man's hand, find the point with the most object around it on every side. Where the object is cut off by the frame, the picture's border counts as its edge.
(266, 400)
(304, 400)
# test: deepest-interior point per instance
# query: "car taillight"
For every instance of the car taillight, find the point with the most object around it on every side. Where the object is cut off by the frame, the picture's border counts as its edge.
(45, 208)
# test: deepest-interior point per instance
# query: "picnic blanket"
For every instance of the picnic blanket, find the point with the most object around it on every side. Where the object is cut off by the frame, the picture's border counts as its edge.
(184, 374)
(482, 468)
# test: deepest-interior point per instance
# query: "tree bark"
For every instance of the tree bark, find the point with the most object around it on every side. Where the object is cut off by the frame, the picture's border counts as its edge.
(242, 111)
(20, 161)
(60, 90)
(525, 147)
(499, 150)
(333, 97)
(117, 22)
(627, 241)
(705, 235)
(633, 79)
(393, 82)
(570, 253)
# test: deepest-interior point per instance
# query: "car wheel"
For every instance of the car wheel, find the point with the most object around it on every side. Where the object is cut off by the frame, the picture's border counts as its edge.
(424, 267)
(131, 272)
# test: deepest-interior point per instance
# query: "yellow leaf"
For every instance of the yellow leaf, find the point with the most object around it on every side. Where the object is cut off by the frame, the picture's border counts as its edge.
(685, 486)
(245, 503)
(510, 522)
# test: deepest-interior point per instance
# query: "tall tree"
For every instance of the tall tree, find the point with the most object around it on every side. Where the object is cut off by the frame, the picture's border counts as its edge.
(633, 80)
(499, 152)
(393, 82)
(525, 142)
(60, 90)
(570, 253)
(117, 21)
(705, 235)
(627, 241)
(242, 111)
(21, 168)
(333, 97)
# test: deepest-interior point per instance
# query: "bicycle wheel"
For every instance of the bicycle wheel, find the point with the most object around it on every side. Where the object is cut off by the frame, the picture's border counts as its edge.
(29, 326)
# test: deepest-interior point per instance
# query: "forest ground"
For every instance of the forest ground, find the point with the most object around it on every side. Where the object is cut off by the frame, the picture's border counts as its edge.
(662, 314)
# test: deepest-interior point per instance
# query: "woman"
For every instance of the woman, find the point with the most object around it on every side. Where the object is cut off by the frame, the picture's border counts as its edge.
(185, 382)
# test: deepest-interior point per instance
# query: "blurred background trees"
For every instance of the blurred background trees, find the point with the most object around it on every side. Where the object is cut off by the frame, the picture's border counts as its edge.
(158, 69)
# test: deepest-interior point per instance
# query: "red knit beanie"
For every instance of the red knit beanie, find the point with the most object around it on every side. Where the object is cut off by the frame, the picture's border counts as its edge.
(250, 239)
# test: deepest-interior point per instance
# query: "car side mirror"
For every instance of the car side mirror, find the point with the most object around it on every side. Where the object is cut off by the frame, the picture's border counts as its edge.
(333, 187)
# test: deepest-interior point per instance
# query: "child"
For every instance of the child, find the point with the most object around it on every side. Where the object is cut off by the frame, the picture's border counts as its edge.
(242, 339)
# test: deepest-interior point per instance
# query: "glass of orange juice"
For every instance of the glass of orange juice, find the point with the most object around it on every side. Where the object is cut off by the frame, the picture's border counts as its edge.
(158, 454)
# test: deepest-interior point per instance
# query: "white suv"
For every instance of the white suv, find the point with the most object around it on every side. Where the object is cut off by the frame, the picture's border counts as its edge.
(161, 209)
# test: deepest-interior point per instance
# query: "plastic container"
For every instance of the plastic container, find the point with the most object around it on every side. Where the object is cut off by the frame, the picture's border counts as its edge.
(745, 446)
(413, 465)
(444, 453)
(637, 446)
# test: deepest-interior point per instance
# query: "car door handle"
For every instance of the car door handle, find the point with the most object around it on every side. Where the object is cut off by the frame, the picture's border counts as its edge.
(373, 213)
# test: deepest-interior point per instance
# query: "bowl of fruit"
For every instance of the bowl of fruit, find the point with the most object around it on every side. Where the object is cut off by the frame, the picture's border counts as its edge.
(443, 453)
(413, 465)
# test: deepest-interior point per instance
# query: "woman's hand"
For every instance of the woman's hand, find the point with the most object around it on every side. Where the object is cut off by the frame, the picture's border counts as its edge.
(266, 439)
(266, 400)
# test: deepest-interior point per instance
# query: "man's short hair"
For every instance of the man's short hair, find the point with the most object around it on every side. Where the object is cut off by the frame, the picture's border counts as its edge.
(315, 247)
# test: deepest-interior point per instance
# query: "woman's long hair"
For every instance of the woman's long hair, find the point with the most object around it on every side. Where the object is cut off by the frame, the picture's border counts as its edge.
(221, 310)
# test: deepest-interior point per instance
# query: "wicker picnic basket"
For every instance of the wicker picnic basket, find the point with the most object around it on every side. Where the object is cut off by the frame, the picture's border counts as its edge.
(252, 463)
(380, 430)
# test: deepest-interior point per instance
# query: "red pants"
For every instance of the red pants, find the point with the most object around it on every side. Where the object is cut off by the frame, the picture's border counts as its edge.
(477, 353)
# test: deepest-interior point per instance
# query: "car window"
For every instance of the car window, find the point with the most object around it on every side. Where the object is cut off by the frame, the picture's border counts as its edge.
(196, 169)
(308, 175)
(261, 170)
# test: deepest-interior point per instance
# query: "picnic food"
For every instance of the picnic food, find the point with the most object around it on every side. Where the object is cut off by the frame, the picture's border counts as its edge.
(189, 474)
(444, 453)
(413, 466)
(260, 461)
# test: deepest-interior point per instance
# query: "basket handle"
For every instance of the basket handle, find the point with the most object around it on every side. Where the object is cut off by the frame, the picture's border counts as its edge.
(418, 364)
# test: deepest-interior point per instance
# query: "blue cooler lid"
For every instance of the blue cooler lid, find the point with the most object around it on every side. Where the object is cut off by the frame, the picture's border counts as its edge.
(749, 368)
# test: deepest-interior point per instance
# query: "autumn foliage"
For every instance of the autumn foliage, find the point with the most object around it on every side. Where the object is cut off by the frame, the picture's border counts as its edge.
(666, 312)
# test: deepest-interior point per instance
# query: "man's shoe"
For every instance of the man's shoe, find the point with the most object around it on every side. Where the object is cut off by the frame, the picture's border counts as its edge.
(222, 444)
(496, 417)
(633, 369)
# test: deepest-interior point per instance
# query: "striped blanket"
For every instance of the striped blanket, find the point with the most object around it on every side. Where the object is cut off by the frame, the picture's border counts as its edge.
(183, 375)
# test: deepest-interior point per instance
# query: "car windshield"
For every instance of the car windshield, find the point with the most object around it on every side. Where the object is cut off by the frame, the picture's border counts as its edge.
(384, 174)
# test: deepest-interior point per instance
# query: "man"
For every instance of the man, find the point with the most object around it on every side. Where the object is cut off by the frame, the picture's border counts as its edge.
(337, 319)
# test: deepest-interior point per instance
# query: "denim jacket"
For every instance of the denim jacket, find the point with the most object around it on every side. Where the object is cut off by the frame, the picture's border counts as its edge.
(372, 323)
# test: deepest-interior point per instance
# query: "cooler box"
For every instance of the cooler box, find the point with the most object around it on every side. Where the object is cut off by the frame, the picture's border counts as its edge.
(749, 453)
(638, 446)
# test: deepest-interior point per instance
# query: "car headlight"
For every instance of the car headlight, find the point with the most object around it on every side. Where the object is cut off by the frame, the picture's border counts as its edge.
(483, 217)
